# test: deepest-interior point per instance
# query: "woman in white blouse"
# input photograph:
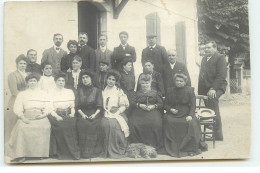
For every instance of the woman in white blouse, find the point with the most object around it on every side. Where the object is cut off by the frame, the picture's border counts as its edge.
(31, 134)
(114, 123)
(64, 142)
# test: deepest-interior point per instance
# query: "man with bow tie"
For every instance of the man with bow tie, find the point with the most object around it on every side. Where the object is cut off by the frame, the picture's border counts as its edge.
(54, 54)
(124, 50)
(103, 53)
(212, 81)
(171, 68)
(155, 53)
(87, 53)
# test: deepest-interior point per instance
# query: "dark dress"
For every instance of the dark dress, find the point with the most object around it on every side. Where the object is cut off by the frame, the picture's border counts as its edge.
(88, 100)
(63, 142)
(146, 126)
(181, 138)
(157, 82)
(34, 68)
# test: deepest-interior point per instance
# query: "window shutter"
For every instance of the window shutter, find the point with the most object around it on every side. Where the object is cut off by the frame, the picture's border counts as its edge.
(153, 26)
(180, 35)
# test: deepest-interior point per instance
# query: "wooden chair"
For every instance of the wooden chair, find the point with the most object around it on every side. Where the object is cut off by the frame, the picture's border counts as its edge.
(207, 123)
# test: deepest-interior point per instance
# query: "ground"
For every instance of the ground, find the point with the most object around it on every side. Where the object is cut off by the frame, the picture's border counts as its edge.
(236, 121)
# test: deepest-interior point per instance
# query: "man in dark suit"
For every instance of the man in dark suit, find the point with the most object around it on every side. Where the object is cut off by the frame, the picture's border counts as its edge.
(87, 53)
(103, 53)
(212, 81)
(124, 50)
(155, 52)
(171, 68)
(32, 65)
(54, 54)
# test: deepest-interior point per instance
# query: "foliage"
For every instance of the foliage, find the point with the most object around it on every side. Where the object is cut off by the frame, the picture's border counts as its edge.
(226, 22)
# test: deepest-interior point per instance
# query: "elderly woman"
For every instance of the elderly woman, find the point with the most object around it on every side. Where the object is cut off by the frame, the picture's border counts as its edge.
(16, 84)
(31, 134)
(64, 143)
(88, 107)
(73, 76)
(114, 123)
(182, 131)
(157, 80)
(66, 61)
(146, 119)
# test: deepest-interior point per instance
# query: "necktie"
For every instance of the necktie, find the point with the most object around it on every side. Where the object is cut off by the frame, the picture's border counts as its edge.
(57, 48)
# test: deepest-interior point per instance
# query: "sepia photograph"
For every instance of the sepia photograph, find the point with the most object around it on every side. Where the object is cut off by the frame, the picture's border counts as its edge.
(126, 81)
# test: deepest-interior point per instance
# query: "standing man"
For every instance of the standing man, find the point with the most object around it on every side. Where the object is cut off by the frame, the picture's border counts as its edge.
(87, 53)
(32, 66)
(155, 53)
(103, 53)
(171, 68)
(54, 54)
(124, 50)
(212, 81)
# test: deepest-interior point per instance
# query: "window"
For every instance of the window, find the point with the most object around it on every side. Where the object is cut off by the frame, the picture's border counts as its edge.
(153, 26)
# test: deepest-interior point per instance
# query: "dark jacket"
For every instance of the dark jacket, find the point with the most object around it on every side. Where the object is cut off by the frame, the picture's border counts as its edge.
(88, 56)
(168, 74)
(158, 55)
(119, 54)
(66, 62)
(213, 74)
(34, 68)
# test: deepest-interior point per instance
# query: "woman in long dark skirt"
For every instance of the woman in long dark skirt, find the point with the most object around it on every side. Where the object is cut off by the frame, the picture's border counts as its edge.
(146, 119)
(181, 130)
(114, 123)
(89, 106)
(64, 143)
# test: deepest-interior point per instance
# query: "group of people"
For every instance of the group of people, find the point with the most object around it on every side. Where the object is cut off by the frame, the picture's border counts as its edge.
(88, 104)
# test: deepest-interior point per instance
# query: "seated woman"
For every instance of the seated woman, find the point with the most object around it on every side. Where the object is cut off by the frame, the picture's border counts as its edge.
(73, 76)
(145, 121)
(157, 80)
(181, 130)
(66, 61)
(16, 84)
(47, 82)
(31, 134)
(88, 107)
(114, 123)
(64, 143)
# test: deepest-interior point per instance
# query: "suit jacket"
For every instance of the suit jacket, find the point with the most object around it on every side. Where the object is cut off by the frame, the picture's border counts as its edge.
(34, 68)
(168, 74)
(103, 56)
(158, 55)
(53, 58)
(119, 54)
(88, 56)
(213, 74)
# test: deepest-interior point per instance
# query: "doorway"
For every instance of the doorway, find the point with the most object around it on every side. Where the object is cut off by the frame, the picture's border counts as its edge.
(89, 21)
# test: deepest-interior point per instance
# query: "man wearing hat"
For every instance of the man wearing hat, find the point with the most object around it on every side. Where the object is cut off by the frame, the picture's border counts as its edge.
(171, 68)
(103, 53)
(155, 53)
(124, 50)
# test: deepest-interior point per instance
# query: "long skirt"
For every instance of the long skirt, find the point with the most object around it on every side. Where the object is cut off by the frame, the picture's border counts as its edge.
(115, 142)
(146, 127)
(181, 138)
(10, 119)
(29, 140)
(64, 142)
(90, 139)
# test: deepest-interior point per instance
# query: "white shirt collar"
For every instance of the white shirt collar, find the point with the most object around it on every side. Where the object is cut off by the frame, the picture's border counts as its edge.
(172, 65)
(123, 45)
(152, 46)
(56, 49)
(103, 49)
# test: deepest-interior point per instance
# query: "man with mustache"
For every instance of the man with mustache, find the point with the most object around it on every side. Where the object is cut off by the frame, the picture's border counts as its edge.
(54, 54)
(87, 53)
